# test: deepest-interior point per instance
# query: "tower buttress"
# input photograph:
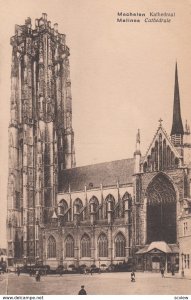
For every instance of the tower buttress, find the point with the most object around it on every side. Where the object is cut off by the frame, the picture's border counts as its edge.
(41, 138)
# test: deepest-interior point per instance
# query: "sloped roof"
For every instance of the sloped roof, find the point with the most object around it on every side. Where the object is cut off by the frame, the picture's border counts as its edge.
(107, 173)
(160, 245)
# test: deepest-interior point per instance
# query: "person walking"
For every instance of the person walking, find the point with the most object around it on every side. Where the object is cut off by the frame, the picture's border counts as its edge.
(82, 291)
(162, 272)
(37, 275)
(132, 276)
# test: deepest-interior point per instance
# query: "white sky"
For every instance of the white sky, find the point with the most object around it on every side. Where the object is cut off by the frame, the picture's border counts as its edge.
(122, 74)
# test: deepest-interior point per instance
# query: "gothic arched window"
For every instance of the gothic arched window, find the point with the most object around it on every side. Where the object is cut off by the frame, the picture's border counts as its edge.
(78, 205)
(62, 209)
(160, 152)
(168, 156)
(69, 244)
(156, 155)
(51, 249)
(94, 207)
(110, 204)
(126, 203)
(77, 208)
(63, 206)
(120, 244)
(102, 246)
(164, 154)
(85, 246)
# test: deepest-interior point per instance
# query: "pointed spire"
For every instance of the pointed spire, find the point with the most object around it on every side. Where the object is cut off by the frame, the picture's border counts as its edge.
(138, 141)
(177, 127)
(138, 138)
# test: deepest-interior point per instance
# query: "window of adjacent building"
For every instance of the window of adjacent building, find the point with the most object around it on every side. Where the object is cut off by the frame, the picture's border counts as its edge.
(186, 261)
(120, 244)
(51, 253)
(69, 243)
(185, 228)
(103, 246)
(85, 246)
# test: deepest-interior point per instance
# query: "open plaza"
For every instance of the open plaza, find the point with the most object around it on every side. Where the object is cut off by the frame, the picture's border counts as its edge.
(97, 284)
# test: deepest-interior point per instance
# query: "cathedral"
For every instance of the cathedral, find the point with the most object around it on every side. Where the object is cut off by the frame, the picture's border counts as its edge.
(129, 210)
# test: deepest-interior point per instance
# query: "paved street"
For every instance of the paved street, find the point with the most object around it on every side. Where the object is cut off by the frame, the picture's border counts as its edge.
(97, 284)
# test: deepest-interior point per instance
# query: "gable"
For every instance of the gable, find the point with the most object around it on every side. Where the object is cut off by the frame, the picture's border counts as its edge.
(161, 153)
(155, 251)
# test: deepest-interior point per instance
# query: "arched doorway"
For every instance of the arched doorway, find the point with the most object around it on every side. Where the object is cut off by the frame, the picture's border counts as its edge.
(161, 210)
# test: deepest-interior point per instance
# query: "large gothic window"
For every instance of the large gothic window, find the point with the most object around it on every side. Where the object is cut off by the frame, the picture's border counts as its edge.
(120, 244)
(102, 246)
(85, 246)
(69, 244)
(161, 210)
(51, 249)
(161, 157)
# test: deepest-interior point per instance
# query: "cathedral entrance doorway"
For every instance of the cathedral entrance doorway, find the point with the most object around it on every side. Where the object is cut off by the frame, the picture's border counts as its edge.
(161, 210)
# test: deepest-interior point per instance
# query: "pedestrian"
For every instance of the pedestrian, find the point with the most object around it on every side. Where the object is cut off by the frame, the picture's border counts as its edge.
(18, 271)
(132, 276)
(162, 272)
(172, 270)
(82, 291)
(37, 277)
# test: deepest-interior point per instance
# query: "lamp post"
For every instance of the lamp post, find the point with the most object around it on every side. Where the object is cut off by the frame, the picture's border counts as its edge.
(182, 272)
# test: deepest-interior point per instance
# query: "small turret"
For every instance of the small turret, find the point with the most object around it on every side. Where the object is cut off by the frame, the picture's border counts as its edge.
(137, 153)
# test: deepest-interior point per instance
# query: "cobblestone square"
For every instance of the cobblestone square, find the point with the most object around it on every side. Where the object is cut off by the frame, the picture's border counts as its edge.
(97, 284)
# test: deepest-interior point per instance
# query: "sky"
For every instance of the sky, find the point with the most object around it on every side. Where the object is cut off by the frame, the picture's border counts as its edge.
(122, 74)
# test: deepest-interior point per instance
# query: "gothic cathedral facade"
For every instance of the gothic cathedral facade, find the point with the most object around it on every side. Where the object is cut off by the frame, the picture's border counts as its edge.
(102, 214)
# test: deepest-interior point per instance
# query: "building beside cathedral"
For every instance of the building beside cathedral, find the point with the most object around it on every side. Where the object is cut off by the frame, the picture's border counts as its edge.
(135, 209)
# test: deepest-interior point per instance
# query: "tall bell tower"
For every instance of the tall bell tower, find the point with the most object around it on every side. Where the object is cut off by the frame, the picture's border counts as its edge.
(41, 138)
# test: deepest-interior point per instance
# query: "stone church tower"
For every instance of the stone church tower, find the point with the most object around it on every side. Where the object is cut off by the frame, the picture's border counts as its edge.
(41, 138)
